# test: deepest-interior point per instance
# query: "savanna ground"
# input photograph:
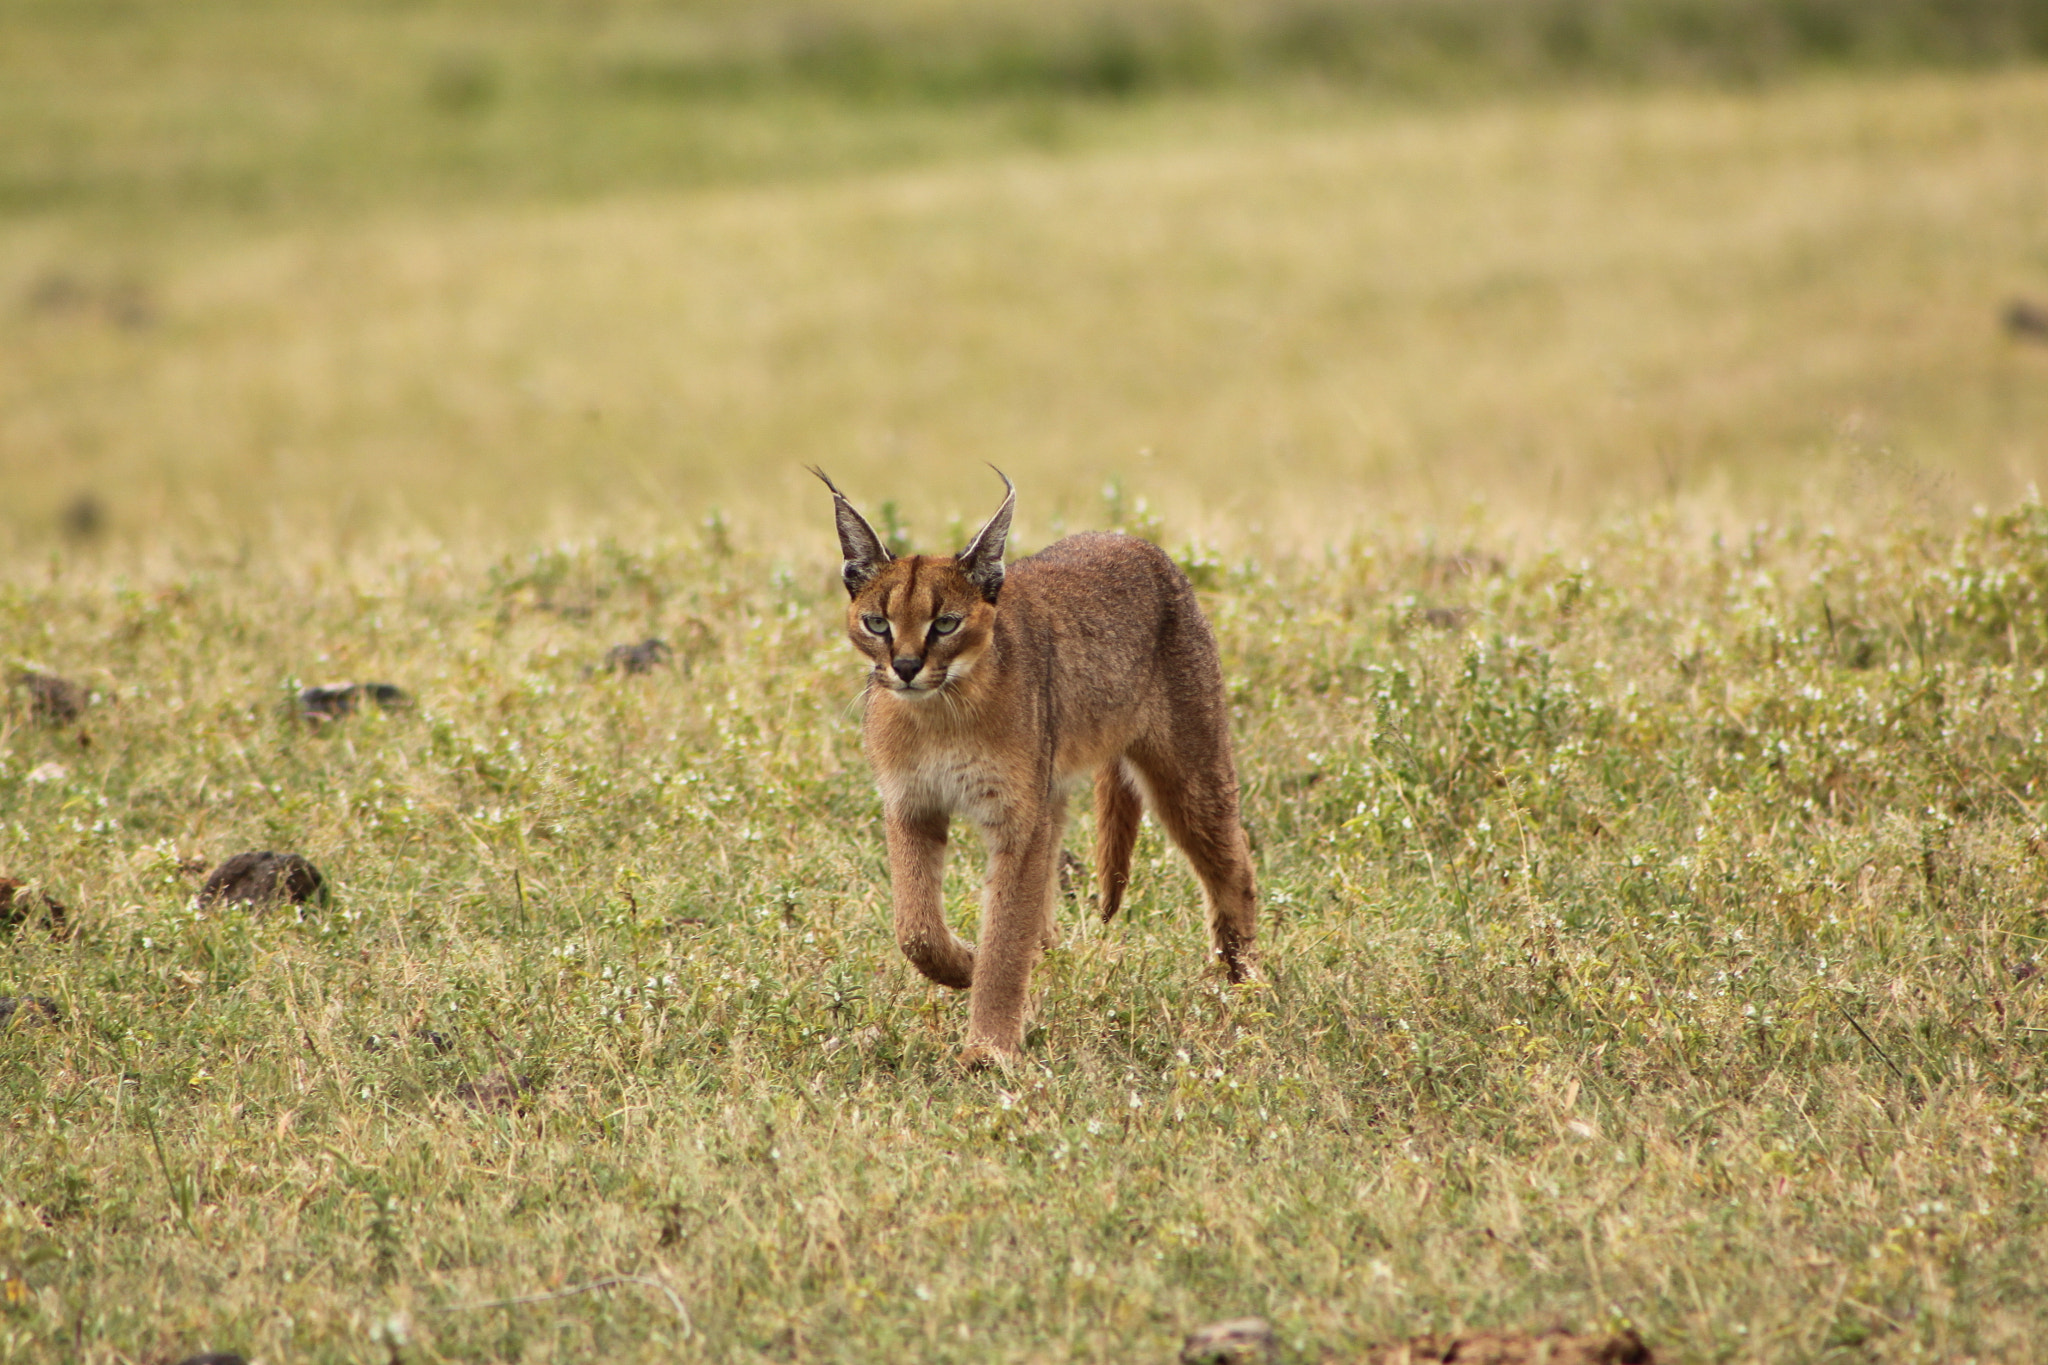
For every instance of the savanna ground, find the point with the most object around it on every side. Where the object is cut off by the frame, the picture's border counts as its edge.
(1573, 422)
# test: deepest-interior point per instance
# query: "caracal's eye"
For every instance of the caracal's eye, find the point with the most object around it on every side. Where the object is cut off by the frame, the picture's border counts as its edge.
(876, 625)
(945, 625)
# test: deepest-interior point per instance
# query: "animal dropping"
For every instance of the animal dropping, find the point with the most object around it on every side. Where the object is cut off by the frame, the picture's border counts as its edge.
(1241, 1341)
(1556, 1347)
(332, 701)
(264, 878)
(2026, 320)
(28, 1011)
(52, 700)
(501, 1091)
(650, 654)
(993, 693)
(21, 906)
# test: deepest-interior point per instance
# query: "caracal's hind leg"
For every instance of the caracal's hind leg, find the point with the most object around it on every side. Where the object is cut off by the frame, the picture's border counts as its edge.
(917, 862)
(1050, 937)
(1194, 796)
(1118, 809)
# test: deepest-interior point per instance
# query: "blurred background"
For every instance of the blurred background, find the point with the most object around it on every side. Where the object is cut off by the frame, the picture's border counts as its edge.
(346, 268)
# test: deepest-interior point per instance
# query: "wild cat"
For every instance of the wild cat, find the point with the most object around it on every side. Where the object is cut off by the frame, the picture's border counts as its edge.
(993, 693)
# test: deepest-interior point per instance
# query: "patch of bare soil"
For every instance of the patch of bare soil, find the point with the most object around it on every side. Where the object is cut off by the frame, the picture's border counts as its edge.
(1556, 1347)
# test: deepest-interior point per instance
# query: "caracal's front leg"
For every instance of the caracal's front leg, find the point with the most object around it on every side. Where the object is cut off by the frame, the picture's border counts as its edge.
(917, 864)
(1014, 917)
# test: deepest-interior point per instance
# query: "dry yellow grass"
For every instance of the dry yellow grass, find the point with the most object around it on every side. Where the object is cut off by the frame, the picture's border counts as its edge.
(1663, 956)
(1656, 919)
(1553, 305)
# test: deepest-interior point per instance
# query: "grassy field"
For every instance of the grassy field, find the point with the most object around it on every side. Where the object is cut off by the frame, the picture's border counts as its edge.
(236, 106)
(1654, 938)
(1575, 298)
(1571, 412)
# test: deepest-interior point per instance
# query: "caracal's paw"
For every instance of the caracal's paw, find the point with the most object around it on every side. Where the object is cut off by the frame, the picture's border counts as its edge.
(1240, 969)
(986, 1056)
(950, 965)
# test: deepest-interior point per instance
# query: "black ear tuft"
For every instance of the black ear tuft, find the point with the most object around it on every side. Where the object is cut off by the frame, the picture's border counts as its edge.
(982, 560)
(865, 554)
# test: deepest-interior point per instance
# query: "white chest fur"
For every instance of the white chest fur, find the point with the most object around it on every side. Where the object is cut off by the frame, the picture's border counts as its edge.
(949, 780)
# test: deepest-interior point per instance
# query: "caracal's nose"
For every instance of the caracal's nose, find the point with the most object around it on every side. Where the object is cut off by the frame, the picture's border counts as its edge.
(907, 669)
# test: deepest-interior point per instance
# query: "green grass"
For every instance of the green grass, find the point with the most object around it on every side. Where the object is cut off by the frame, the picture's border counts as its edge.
(333, 268)
(1569, 410)
(1555, 305)
(125, 106)
(1653, 945)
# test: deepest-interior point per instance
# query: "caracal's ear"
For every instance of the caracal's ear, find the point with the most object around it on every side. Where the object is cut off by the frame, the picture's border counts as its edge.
(863, 549)
(982, 560)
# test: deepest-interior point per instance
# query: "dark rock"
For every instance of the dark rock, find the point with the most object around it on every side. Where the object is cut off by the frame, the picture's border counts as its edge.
(501, 1090)
(125, 303)
(2024, 318)
(214, 1358)
(84, 517)
(28, 1011)
(329, 702)
(332, 701)
(1557, 1347)
(129, 305)
(20, 906)
(644, 657)
(1241, 1341)
(264, 878)
(1446, 618)
(51, 699)
(56, 292)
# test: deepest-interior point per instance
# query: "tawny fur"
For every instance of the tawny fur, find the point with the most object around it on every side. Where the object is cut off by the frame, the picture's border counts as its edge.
(993, 693)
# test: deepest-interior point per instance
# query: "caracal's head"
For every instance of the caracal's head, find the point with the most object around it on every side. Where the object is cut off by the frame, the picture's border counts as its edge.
(925, 620)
